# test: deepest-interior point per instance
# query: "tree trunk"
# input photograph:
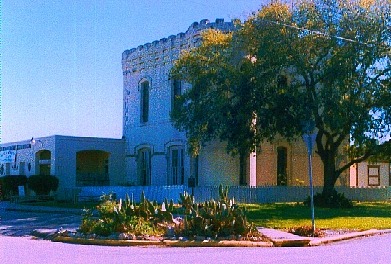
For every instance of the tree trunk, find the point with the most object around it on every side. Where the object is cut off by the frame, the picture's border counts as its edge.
(329, 174)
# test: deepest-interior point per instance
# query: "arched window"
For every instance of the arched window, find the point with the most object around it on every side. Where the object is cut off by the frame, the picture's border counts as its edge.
(176, 165)
(92, 168)
(43, 162)
(282, 164)
(176, 92)
(144, 102)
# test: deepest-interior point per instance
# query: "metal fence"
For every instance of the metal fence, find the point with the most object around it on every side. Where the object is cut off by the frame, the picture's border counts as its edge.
(241, 194)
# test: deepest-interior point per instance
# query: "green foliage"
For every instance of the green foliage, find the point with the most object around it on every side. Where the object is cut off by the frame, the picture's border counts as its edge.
(9, 185)
(215, 218)
(335, 200)
(329, 61)
(43, 184)
(124, 216)
(209, 219)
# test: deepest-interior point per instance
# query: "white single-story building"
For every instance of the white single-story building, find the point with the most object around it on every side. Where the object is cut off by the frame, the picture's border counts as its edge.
(75, 161)
(367, 174)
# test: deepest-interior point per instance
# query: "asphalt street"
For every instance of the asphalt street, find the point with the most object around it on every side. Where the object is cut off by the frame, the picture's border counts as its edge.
(376, 249)
(17, 223)
(17, 246)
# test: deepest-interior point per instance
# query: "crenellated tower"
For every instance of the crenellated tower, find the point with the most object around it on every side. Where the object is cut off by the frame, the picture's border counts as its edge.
(147, 101)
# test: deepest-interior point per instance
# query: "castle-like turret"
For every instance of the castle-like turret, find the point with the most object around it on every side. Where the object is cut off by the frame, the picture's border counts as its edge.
(166, 50)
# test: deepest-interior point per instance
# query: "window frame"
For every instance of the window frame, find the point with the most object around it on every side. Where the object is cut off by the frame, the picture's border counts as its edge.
(144, 162)
(176, 85)
(373, 176)
(145, 87)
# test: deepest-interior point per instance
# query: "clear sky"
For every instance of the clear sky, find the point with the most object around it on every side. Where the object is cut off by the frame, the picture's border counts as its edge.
(61, 59)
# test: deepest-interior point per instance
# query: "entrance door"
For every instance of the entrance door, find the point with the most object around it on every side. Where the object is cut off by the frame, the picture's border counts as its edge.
(176, 175)
(145, 166)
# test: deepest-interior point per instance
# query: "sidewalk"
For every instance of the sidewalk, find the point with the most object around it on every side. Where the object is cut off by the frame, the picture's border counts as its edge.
(278, 238)
(284, 239)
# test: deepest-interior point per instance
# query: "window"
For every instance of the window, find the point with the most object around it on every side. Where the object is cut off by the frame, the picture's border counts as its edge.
(373, 175)
(194, 170)
(282, 163)
(176, 175)
(144, 166)
(144, 102)
(176, 92)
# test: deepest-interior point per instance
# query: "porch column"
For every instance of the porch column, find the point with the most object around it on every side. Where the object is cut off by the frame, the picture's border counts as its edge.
(253, 169)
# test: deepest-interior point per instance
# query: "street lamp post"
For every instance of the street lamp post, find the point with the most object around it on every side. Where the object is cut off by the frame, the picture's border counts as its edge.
(309, 138)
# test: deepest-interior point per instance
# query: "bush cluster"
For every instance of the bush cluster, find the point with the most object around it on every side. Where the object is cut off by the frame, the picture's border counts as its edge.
(336, 200)
(9, 185)
(113, 216)
(215, 218)
(43, 184)
(209, 219)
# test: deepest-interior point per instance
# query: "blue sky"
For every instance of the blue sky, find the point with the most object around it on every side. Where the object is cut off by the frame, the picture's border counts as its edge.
(61, 59)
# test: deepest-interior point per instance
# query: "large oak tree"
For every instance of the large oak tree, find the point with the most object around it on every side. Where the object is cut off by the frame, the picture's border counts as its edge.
(326, 61)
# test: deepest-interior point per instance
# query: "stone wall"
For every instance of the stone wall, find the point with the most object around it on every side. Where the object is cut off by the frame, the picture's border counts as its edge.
(152, 62)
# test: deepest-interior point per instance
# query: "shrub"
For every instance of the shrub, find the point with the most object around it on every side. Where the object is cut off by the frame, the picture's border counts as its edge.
(306, 231)
(125, 217)
(215, 218)
(9, 185)
(336, 200)
(209, 219)
(43, 184)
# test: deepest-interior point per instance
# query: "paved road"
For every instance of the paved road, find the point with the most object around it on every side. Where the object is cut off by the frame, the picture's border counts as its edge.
(24, 250)
(17, 247)
(15, 223)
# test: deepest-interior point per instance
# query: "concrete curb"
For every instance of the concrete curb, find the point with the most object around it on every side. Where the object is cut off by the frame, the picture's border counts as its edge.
(291, 242)
(326, 240)
(162, 243)
(277, 238)
(299, 242)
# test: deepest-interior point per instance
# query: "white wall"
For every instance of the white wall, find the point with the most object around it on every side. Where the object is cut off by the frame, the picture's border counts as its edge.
(217, 167)
(359, 174)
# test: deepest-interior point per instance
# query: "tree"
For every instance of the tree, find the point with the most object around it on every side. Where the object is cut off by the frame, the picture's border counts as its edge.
(220, 103)
(326, 61)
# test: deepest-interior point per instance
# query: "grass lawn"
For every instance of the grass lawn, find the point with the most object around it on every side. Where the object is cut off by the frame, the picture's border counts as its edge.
(363, 216)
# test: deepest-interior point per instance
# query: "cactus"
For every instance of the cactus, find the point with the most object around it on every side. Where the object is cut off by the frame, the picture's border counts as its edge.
(209, 219)
(214, 218)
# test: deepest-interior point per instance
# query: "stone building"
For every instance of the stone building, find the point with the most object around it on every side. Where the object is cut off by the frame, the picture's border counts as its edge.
(156, 152)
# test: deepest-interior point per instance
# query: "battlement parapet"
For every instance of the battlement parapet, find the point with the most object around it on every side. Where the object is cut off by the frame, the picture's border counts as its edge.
(163, 51)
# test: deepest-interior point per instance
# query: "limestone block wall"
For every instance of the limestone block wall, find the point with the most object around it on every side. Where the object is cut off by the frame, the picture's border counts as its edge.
(217, 167)
(152, 62)
(297, 165)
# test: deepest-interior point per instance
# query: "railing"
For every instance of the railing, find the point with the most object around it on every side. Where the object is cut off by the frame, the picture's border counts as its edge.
(241, 194)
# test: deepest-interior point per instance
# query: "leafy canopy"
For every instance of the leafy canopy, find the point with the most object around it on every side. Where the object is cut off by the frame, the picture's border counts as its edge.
(327, 61)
